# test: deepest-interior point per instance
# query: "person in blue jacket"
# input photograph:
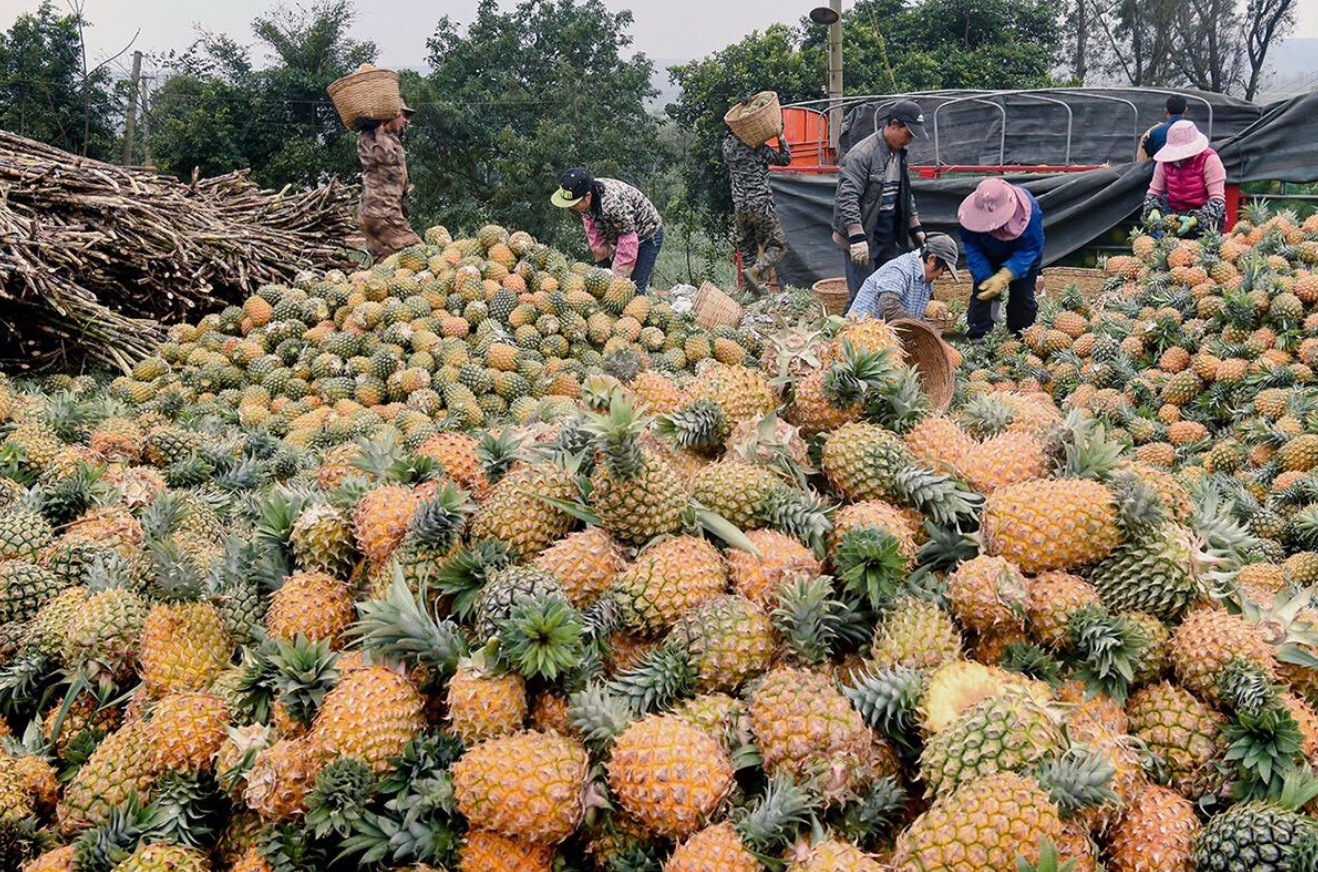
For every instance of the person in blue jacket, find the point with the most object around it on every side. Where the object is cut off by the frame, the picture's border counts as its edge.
(1002, 233)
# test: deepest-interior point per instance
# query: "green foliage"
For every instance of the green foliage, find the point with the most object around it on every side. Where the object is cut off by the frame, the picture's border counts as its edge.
(42, 92)
(219, 112)
(517, 97)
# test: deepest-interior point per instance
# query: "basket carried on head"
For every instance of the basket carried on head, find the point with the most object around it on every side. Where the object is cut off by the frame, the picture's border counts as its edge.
(713, 308)
(756, 121)
(932, 359)
(369, 94)
(832, 295)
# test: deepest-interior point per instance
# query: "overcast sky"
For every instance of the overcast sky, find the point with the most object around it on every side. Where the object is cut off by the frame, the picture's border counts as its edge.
(664, 29)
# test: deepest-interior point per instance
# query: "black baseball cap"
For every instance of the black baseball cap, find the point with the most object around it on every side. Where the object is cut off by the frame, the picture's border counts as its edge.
(575, 184)
(908, 112)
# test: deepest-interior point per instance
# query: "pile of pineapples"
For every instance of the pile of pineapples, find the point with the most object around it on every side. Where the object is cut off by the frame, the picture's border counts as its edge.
(492, 326)
(740, 613)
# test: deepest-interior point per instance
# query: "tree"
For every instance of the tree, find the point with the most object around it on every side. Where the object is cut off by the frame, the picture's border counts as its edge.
(218, 112)
(1265, 22)
(516, 98)
(43, 92)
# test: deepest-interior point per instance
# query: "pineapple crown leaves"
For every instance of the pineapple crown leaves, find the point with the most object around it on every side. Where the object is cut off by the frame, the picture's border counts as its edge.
(1107, 649)
(944, 499)
(297, 673)
(889, 700)
(699, 425)
(438, 522)
(279, 512)
(900, 403)
(615, 436)
(1246, 687)
(542, 638)
(947, 548)
(21, 841)
(809, 618)
(251, 741)
(174, 577)
(801, 514)
(1297, 789)
(598, 715)
(286, 848)
(498, 453)
(870, 565)
(658, 679)
(1286, 627)
(776, 815)
(465, 574)
(871, 817)
(699, 520)
(399, 627)
(342, 791)
(102, 848)
(1088, 452)
(1078, 779)
(427, 753)
(1263, 748)
(848, 381)
(1048, 860)
(189, 809)
(25, 683)
(1031, 660)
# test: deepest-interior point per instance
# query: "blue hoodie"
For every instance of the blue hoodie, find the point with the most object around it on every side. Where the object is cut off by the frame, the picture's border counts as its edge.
(986, 254)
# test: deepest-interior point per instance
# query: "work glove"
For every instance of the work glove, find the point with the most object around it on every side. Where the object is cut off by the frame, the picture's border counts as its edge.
(993, 286)
(1154, 219)
(860, 253)
(1188, 223)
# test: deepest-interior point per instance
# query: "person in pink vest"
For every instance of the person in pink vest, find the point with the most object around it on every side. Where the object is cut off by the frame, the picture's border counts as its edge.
(1189, 182)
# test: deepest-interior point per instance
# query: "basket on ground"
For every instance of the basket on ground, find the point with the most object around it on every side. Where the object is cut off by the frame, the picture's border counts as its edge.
(713, 308)
(756, 121)
(832, 295)
(369, 94)
(1088, 281)
(932, 359)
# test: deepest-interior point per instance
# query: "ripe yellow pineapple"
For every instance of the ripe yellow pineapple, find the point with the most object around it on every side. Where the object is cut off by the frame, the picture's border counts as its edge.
(371, 715)
(987, 593)
(1155, 834)
(1051, 524)
(529, 785)
(940, 442)
(310, 604)
(516, 513)
(1209, 640)
(743, 394)
(483, 705)
(121, 765)
(716, 848)
(183, 647)
(874, 513)
(833, 855)
(805, 728)
(917, 634)
(667, 580)
(282, 776)
(456, 452)
(669, 775)
(1184, 734)
(381, 519)
(484, 851)
(1053, 598)
(163, 857)
(186, 731)
(584, 563)
(758, 576)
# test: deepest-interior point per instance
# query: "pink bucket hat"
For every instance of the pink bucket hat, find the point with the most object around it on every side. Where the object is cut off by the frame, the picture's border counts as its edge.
(995, 206)
(1183, 140)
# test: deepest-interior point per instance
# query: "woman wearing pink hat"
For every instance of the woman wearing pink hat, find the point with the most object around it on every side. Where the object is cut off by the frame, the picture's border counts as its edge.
(1002, 233)
(1189, 181)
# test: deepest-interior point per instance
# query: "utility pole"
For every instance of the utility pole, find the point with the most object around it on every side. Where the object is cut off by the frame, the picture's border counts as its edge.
(835, 113)
(130, 122)
(146, 120)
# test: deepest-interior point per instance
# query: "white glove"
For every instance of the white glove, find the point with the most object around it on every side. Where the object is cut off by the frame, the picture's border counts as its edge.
(995, 312)
(860, 253)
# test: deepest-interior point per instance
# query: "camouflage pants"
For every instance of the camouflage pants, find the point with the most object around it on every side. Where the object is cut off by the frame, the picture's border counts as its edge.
(387, 233)
(761, 242)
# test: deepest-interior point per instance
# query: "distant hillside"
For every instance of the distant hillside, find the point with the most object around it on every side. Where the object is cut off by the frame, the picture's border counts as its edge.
(668, 92)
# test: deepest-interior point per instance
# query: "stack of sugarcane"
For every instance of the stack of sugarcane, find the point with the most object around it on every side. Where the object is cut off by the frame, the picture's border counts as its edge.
(92, 254)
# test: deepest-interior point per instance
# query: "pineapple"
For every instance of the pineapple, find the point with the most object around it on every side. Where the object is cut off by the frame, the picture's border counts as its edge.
(833, 855)
(484, 851)
(743, 394)
(669, 775)
(121, 766)
(1052, 525)
(1262, 836)
(727, 639)
(183, 647)
(323, 541)
(282, 776)
(381, 519)
(161, 857)
(485, 706)
(186, 731)
(310, 604)
(636, 493)
(516, 514)
(986, 593)
(1208, 641)
(805, 728)
(1005, 733)
(916, 634)
(1181, 732)
(584, 563)
(529, 785)
(370, 715)
(1054, 598)
(1155, 833)
(759, 576)
(668, 580)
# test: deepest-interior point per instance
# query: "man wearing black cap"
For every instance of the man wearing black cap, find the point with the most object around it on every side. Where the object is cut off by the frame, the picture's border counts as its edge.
(874, 214)
(383, 214)
(623, 228)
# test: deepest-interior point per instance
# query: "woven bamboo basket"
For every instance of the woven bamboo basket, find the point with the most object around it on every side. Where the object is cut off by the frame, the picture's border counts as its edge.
(369, 94)
(932, 359)
(756, 126)
(1089, 281)
(946, 289)
(832, 295)
(713, 308)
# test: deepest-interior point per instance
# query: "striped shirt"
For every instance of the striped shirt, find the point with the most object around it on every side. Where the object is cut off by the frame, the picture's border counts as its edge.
(903, 277)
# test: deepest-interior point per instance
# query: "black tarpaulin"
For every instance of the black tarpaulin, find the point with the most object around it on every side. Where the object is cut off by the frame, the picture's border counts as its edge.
(1275, 142)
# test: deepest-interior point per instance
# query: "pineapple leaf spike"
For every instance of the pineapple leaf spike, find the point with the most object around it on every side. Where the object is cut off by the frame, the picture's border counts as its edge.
(399, 627)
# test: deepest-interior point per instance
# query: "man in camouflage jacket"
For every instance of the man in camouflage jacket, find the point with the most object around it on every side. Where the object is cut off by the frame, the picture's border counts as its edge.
(760, 238)
(383, 214)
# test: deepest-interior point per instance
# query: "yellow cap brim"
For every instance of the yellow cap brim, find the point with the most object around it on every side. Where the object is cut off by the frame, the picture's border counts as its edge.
(563, 198)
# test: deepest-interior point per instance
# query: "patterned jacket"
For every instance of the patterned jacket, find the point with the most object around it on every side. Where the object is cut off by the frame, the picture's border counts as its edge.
(384, 173)
(619, 209)
(748, 168)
